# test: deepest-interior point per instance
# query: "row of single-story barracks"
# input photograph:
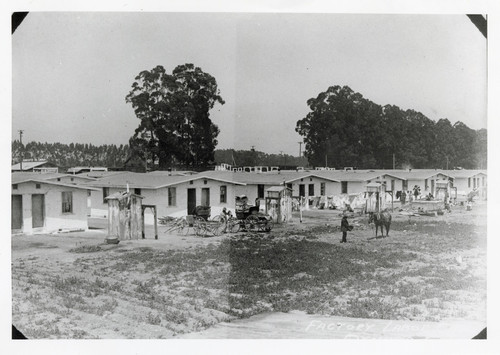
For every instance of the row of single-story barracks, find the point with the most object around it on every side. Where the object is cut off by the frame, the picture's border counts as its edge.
(51, 202)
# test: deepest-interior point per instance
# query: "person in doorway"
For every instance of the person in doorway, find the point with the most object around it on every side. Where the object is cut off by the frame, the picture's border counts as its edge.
(344, 227)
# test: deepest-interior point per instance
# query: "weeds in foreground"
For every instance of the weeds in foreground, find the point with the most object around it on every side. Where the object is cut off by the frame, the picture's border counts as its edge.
(86, 249)
(246, 275)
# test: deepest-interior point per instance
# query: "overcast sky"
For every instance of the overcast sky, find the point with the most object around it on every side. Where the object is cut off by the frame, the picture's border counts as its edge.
(72, 71)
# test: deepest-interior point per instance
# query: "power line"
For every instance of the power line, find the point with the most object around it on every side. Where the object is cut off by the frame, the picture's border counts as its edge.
(22, 150)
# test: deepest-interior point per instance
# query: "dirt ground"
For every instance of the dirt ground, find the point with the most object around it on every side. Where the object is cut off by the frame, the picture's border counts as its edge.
(72, 285)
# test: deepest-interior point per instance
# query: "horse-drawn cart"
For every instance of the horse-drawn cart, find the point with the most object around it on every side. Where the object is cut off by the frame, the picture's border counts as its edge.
(199, 222)
(204, 226)
(248, 218)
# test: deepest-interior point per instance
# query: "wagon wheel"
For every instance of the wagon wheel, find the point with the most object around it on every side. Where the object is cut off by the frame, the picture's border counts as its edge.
(200, 226)
(251, 223)
(217, 218)
(233, 226)
(220, 226)
(217, 227)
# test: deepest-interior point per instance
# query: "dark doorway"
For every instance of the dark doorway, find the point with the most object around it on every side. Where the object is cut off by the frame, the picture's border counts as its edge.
(38, 210)
(191, 201)
(302, 190)
(260, 191)
(17, 212)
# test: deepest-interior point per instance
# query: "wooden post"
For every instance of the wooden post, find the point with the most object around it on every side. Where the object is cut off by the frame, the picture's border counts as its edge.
(278, 206)
(142, 215)
(110, 219)
(156, 224)
(300, 208)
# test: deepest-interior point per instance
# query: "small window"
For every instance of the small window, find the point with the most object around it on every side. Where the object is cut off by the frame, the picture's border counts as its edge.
(137, 191)
(14, 186)
(322, 189)
(67, 202)
(205, 182)
(105, 193)
(38, 186)
(344, 187)
(310, 179)
(191, 182)
(223, 194)
(58, 179)
(172, 196)
(72, 179)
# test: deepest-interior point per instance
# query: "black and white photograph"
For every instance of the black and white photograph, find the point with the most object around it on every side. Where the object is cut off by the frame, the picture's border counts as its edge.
(275, 174)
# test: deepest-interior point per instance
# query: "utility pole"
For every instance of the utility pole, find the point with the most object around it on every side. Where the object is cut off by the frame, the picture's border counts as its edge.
(22, 149)
(300, 149)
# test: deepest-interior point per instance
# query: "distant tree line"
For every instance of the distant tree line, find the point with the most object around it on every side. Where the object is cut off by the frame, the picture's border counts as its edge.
(110, 155)
(73, 154)
(256, 158)
(345, 129)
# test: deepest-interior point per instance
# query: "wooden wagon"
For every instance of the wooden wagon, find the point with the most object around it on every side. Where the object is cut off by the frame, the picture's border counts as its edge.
(248, 217)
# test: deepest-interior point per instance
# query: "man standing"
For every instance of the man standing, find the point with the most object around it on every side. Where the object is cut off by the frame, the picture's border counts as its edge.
(344, 227)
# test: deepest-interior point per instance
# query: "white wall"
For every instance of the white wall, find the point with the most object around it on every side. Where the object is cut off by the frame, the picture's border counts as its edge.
(159, 198)
(355, 187)
(421, 182)
(462, 184)
(331, 187)
(54, 218)
(398, 183)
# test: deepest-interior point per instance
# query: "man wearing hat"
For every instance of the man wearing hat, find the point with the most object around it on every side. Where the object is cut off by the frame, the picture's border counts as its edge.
(344, 227)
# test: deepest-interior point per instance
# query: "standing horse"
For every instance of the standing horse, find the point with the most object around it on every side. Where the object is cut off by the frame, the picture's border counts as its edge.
(382, 219)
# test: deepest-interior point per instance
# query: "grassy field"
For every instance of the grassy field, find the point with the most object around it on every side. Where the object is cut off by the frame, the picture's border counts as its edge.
(431, 268)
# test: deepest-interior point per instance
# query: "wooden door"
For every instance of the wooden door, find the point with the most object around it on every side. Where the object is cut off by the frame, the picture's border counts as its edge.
(38, 210)
(205, 197)
(191, 201)
(302, 190)
(17, 211)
